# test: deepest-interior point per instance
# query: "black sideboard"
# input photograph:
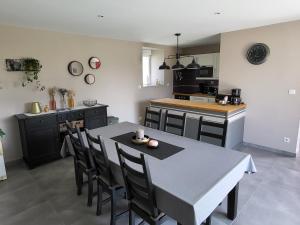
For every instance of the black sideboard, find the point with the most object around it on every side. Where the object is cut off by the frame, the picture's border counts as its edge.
(42, 135)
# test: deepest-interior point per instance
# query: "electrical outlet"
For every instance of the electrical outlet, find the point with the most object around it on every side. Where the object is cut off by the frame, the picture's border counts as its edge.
(140, 118)
(292, 91)
(286, 139)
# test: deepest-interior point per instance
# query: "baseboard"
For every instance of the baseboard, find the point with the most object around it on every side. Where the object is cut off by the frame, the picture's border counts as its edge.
(274, 150)
(13, 163)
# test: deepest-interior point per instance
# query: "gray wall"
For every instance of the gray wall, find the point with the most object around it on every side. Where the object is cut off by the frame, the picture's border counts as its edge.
(116, 84)
(272, 113)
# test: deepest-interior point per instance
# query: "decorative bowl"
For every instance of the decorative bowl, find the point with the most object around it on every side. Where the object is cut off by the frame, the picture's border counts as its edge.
(90, 103)
(140, 141)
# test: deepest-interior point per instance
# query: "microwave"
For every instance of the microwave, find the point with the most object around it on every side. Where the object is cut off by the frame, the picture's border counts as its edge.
(205, 71)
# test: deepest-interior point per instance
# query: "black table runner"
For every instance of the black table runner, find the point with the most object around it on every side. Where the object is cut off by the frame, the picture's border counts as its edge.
(163, 151)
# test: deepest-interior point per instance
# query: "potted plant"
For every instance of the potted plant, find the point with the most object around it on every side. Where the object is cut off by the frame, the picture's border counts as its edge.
(32, 68)
(2, 165)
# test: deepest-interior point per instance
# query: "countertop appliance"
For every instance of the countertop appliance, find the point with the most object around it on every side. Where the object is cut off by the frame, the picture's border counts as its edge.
(236, 96)
(236, 92)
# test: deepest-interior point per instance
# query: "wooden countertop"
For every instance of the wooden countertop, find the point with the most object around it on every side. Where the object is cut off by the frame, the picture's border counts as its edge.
(194, 94)
(187, 104)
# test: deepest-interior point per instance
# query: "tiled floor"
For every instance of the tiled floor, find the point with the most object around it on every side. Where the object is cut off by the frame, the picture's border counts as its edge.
(47, 195)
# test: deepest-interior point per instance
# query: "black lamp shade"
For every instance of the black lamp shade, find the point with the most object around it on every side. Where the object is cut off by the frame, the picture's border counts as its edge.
(164, 66)
(193, 65)
(178, 66)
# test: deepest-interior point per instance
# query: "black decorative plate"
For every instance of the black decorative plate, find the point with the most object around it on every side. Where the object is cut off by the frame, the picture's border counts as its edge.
(257, 53)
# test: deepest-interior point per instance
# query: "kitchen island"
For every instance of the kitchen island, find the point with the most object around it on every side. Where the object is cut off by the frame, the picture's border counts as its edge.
(235, 114)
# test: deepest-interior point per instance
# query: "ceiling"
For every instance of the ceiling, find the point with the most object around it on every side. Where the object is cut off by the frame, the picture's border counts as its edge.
(151, 21)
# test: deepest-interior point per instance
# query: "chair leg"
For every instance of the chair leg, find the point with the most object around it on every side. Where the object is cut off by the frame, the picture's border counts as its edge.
(80, 181)
(99, 198)
(113, 201)
(90, 189)
(76, 171)
(131, 217)
(208, 220)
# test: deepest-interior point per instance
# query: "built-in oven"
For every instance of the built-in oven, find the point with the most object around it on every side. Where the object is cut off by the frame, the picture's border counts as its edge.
(205, 71)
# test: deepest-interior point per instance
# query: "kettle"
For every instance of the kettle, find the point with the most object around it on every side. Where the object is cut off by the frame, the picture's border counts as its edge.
(36, 108)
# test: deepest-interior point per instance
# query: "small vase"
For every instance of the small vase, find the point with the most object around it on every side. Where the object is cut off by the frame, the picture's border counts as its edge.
(52, 103)
(71, 102)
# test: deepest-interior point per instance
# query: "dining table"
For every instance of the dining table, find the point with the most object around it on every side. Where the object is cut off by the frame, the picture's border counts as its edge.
(191, 178)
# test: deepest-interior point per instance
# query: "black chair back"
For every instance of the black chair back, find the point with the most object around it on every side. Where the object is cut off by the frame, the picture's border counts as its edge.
(177, 123)
(138, 183)
(152, 117)
(82, 153)
(100, 158)
(211, 124)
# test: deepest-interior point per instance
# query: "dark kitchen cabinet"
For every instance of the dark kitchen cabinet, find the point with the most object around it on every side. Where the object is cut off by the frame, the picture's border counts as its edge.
(42, 136)
(39, 138)
(95, 117)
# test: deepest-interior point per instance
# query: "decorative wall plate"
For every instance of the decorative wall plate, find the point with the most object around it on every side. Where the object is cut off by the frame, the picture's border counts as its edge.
(94, 63)
(89, 79)
(75, 68)
(257, 53)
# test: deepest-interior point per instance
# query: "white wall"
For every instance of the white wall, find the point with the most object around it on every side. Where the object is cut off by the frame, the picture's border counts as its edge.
(116, 82)
(272, 114)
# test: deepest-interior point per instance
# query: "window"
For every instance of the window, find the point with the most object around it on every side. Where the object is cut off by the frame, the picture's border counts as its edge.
(151, 60)
(146, 69)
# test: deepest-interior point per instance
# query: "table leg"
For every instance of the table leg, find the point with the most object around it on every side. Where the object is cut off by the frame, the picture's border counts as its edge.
(232, 202)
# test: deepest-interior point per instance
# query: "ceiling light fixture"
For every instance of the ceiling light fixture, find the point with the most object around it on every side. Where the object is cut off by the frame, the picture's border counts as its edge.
(100, 16)
(178, 65)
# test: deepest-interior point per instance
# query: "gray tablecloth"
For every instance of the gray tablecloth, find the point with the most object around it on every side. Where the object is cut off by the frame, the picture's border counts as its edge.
(190, 184)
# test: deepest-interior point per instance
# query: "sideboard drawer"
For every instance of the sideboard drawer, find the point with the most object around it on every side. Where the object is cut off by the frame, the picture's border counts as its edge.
(41, 121)
(76, 115)
(95, 112)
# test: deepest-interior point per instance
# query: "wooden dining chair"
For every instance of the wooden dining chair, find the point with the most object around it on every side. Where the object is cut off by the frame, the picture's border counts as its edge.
(210, 124)
(175, 121)
(83, 163)
(152, 117)
(139, 188)
(105, 179)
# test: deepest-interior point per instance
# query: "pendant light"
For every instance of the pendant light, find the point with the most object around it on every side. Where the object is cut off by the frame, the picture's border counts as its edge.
(178, 65)
(164, 66)
(193, 65)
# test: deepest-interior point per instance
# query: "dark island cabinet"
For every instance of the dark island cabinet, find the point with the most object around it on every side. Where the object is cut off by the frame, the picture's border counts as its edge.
(42, 135)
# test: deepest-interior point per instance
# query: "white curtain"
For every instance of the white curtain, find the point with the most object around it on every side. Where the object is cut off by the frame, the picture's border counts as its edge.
(2, 165)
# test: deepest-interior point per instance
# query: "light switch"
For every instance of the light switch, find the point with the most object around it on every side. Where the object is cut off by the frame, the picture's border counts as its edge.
(292, 92)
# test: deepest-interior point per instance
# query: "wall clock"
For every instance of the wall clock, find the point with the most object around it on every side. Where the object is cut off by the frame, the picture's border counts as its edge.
(75, 68)
(89, 79)
(257, 53)
(94, 63)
